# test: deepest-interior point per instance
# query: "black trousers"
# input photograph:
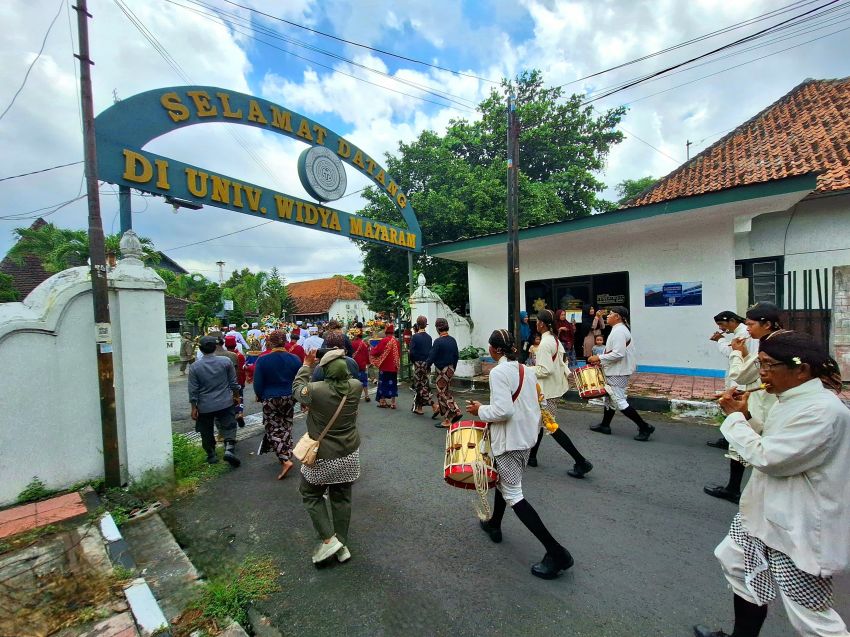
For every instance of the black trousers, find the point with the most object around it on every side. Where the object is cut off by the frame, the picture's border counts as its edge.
(224, 419)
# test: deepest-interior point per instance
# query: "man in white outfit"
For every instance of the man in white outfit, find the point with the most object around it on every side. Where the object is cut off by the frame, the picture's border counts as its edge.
(793, 530)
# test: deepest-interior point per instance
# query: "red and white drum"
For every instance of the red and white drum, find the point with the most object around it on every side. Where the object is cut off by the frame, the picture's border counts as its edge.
(468, 453)
(590, 382)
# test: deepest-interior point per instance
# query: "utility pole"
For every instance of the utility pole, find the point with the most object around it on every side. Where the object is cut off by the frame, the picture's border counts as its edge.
(688, 143)
(220, 265)
(97, 258)
(513, 219)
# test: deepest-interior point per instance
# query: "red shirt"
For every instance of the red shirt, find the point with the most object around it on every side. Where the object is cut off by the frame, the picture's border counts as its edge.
(361, 353)
(390, 362)
(240, 366)
(295, 348)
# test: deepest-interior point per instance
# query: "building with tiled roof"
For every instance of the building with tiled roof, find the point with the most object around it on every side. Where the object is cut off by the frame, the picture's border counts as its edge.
(324, 299)
(763, 214)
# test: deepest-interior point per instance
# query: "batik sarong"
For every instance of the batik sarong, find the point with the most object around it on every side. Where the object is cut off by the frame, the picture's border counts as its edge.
(448, 407)
(277, 420)
(387, 385)
(421, 385)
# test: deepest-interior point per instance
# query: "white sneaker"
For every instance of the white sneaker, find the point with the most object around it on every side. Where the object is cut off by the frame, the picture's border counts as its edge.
(343, 555)
(326, 550)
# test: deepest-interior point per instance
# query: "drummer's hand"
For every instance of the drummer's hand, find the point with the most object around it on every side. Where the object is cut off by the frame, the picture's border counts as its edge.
(472, 406)
(733, 401)
(593, 360)
(716, 336)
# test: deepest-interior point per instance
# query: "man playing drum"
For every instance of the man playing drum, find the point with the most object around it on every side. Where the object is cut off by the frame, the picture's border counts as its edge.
(514, 417)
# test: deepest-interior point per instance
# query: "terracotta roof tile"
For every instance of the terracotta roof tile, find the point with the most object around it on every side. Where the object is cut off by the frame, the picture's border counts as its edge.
(317, 296)
(25, 277)
(805, 131)
(175, 308)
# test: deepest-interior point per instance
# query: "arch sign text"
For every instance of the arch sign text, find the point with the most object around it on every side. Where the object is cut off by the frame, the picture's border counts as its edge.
(124, 128)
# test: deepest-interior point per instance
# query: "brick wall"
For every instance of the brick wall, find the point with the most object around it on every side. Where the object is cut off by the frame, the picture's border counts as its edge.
(841, 318)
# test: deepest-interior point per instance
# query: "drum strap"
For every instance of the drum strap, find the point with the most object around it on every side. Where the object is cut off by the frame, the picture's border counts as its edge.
(521, 380)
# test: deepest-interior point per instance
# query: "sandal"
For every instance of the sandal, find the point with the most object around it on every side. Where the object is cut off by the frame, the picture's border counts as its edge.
(392, 406)
(367, 399)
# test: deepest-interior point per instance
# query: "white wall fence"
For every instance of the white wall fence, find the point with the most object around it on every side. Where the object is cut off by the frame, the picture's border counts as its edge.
(51, 425)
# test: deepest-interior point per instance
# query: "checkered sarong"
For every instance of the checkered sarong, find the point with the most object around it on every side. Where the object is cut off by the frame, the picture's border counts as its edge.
(511, 464)
(763, 565)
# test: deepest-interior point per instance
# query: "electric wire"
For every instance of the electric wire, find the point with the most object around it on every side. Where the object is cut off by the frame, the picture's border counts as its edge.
(218, 14)
(228, 234)
(758, 34)
(732, 27)
(358, 44)
(43, 170)
(658, 150)
(457, 104)
(36, 59)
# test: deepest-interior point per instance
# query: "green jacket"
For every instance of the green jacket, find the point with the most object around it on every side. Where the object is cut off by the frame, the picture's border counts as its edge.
(342, 439)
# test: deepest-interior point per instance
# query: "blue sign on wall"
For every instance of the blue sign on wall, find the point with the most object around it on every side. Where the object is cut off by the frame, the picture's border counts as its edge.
(123, 129)
(672, 294)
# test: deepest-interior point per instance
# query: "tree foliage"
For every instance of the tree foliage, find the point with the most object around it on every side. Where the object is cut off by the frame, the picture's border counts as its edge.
(457, 181)
(7, 291)
(631, 188)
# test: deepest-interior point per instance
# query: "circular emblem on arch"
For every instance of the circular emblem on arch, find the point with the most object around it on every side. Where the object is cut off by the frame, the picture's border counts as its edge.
(322, 173)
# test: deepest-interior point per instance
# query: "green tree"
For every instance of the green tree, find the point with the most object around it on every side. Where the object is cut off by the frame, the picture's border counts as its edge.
(206, 303)
(275, 299)
(62, 248)
(457, 181)
(7, 292)
(631, 188)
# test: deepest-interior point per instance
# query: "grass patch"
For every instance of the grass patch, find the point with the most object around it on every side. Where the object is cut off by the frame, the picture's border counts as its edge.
(231, 595)
(190, 465)
(23, 540)
(34, 491)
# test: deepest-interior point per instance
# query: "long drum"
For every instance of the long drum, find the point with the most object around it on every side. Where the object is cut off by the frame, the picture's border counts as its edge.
(468, 451)
(590, 382)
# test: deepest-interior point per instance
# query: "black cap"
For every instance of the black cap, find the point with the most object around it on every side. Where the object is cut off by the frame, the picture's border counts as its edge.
(208, 340)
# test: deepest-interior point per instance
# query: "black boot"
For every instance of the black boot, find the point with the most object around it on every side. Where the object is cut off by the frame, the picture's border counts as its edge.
(580, 469)
(749, 618)
(557, 558)
(605, 426)
(493, 527)
(702, 631)
(532, 457)
(229, 455)
(209, 447)
(720, 443)
(644, 429)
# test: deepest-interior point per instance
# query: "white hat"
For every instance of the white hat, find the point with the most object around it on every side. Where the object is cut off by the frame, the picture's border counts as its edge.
(314, 329)
(233, 325)
(299, 322)
(254, 324)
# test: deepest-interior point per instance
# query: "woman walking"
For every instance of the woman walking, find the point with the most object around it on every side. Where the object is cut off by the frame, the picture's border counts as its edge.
(444, 356)
(618, 362)
(514, 416)
(361, 357)
(385, 356)
(273, 376)
(551, 374)
(333, 401)
(762, 323)
(420, 347)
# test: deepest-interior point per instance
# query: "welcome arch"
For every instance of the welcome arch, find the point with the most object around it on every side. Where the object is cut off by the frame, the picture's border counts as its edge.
(122, 131)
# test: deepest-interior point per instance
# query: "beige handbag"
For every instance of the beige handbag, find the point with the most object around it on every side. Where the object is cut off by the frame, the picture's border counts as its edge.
(306, 449)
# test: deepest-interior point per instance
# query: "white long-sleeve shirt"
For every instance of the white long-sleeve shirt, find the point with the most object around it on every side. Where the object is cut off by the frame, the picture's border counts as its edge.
(619, 356)
(724, 343)
(797, 500)
(549, 369)
(513, 424)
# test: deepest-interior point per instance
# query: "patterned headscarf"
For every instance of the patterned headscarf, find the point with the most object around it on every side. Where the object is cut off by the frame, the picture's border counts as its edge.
(276, 339)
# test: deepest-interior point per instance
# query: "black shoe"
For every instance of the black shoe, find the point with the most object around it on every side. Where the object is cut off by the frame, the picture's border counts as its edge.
(580, 469)
(532, 461)
(212, 458)
(718, 491)
(436, 415)
(457, 417)
(552, 565)
(231, 459)
(601, 429)
(720, 443)
(644, 435)
(495, 534)
(702, 631)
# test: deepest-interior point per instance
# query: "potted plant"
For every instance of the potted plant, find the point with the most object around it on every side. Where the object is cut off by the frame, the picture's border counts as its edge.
(469, 363)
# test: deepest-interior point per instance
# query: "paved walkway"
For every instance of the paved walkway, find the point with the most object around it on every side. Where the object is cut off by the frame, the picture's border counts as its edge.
(674, 386)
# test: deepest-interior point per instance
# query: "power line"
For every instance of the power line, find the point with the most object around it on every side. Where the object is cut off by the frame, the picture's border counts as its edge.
(358, 44)
(21, 216)
(37, 57)
(335, 70)
(218, 15)
(732, 27)
(43, 170)
(658, 150)
(187, 245)
(748, 38)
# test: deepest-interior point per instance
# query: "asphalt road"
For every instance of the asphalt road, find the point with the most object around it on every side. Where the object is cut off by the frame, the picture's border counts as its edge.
(639, 527)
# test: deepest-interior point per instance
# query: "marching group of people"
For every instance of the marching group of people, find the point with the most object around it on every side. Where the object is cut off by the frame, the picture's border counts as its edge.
(783, 419)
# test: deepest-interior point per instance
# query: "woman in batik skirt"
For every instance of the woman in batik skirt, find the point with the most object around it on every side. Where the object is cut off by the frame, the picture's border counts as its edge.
(385, 356)
(444, 356)
(420, 347)
(273, 376)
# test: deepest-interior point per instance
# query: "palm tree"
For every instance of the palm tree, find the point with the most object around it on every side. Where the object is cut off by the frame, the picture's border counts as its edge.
(61, 248)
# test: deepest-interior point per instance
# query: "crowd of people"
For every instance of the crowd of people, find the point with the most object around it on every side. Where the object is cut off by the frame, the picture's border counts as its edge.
(783, 419)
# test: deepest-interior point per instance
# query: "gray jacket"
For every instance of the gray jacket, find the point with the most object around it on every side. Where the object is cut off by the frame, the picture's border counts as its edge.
(212, 382)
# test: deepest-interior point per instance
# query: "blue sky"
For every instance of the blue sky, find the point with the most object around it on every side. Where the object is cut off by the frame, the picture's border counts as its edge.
(488, 39)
